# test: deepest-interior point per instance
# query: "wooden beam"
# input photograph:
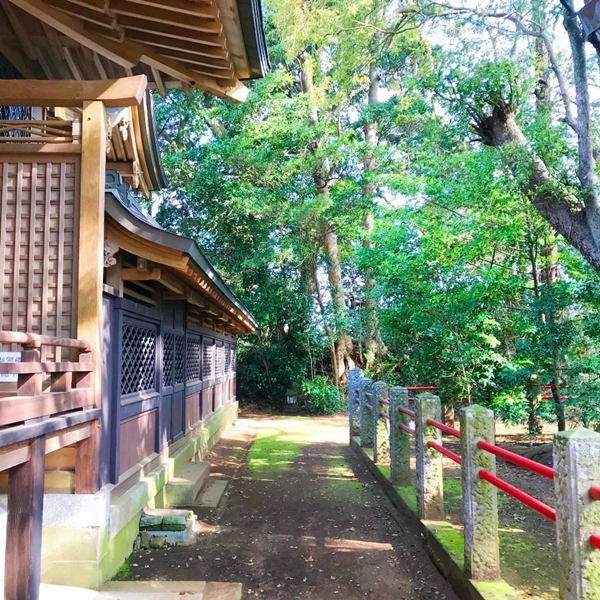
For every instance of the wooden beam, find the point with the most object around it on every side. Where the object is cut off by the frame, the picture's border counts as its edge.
(181, 33)
(91, 235)
(85, 13)
(101, 70)
(72, 65)
(19, 29)
(128, 91)
(54, 41)
(213, 63)
(215, 50)
(73, 28)
(182, 7)
(20, 433)
(12, 457)
(160, 84)
(162, 16)
(86, 462)
(15, 409)
(24, 526)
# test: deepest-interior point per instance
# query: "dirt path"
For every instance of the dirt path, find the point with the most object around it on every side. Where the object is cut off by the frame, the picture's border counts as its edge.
(301, 518)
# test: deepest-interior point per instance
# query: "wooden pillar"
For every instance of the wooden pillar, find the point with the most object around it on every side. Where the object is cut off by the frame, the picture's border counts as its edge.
(24, 527)
(91, 261)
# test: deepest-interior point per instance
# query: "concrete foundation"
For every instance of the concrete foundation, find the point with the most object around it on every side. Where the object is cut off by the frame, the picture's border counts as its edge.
(86, 537)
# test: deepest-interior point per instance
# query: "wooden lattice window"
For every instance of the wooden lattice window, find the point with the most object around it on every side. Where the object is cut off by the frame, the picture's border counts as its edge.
(193, 359)
(227, 350)
(219, 360)
(207, 359)
(178, 356)
(168, 359)
(138, 359)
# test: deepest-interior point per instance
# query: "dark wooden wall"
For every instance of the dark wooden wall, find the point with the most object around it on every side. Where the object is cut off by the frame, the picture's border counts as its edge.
(161, 377)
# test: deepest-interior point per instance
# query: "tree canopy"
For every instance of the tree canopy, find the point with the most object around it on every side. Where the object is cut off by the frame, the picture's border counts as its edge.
(413, 190)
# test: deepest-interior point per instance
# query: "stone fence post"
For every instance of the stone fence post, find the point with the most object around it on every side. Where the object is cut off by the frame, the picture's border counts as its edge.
(577, 469)
(365, 417)
(354, 376)
(430, 474)
(381, 435)
(480, 498)
(399, 440)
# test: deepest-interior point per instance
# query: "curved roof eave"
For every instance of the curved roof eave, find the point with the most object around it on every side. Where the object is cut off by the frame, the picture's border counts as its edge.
(149, 140)
(189, 247)
(251, 21)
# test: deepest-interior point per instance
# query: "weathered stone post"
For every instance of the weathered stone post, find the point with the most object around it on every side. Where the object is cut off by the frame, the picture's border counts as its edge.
(577, 469)
(430, 474)
(354, 376)
(480, 498)
(381, 435)
(365, 417)
(399, 440)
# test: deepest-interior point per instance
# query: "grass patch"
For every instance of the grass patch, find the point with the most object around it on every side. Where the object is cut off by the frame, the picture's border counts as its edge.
(408, 494)
(272, 455)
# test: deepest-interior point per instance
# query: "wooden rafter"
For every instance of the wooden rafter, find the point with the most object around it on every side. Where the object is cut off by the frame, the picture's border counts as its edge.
(114, 44)
(164, 15)
(196, 9)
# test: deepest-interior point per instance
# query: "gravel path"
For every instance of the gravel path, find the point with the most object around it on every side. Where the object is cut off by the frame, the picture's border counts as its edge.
(301, 518)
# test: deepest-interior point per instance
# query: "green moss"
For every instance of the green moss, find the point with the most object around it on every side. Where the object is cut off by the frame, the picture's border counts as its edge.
(450, 539)
(386, 471)
(496, 590)
(409, 495)
(272, 456)
(123, 573)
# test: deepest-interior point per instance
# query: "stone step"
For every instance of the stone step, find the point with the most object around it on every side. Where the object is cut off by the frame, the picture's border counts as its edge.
(147, 590)
(212, 493)
(175, 526)
(184, 488)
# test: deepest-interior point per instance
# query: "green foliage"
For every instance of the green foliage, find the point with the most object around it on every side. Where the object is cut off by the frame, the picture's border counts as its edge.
(469, 282)
(321, 396)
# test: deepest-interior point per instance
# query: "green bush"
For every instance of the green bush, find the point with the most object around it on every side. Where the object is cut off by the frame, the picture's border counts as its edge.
(321, 396)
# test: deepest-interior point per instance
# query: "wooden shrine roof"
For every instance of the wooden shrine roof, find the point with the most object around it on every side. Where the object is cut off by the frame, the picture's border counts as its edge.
(211, 45)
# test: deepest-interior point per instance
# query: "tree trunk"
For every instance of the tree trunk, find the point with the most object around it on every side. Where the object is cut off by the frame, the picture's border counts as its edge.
(373, 341)
(343, 359)
(534, 396)
(328, 332)
(336, 286)
(562, 209)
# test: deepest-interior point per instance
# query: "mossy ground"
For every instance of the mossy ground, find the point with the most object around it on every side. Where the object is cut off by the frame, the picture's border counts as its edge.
(528, 560)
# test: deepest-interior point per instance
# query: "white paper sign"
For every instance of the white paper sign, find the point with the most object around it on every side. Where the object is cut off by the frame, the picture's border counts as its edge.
(9, 357)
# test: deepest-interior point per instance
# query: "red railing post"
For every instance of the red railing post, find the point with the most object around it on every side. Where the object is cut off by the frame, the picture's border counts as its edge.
(354, 376)
(430, 475)
(381, 436)
(577, 471)
(480, 498)
(399, 439)
(365, 416)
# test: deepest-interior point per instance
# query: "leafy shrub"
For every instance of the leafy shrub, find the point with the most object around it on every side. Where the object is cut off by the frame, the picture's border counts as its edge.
(321, 396)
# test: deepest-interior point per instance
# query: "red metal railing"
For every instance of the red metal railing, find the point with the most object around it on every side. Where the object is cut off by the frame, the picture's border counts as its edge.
(451, 455)
(422, 388)
(407, 429)
(595, 492)
(406, 411)
(521, 461)
(444, 428)
(526, 499)
(369, 406)
(384, 415)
